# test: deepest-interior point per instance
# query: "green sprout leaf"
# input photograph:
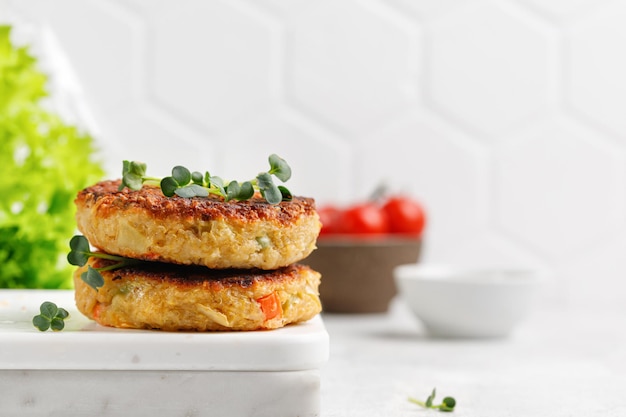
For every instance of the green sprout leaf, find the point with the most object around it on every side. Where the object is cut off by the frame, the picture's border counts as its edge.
(218, 183)
(233, 190)
(286, 194)
(132, 181)
(79, 256)
(186, 184)
(48, 309)
(237, 191)
(132, 175)
(79, 251)
(57, 324)
(181, 175)
(429, 400)
(50, 317)
(197, 178)
(192, 190)
(268, 189)
(62, 313)
(93, 278)
(447, 404)
(246, 192)
(272, 195)
(136, 168)
(41, 322)
(169, 186)
(279, 168)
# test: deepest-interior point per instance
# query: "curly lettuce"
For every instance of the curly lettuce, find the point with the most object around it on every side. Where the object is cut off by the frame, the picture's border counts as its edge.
(43, 163)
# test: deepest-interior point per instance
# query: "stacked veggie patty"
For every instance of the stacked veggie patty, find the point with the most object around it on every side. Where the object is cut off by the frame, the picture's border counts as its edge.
(209, 264)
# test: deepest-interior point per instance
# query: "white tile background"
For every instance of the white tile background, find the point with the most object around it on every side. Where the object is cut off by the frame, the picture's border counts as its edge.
(506, 118)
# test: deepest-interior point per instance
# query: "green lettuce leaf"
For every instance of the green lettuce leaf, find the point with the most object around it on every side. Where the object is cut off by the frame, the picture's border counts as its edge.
(44, 162)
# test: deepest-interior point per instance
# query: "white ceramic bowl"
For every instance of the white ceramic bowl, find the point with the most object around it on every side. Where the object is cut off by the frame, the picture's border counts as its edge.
(453, 302)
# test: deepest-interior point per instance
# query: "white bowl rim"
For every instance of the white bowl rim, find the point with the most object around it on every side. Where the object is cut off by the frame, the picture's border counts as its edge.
(474, 276)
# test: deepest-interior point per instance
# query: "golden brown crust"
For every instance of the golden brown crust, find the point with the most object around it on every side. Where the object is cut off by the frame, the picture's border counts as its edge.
(207, 231)
(172, 297)
(153, 201)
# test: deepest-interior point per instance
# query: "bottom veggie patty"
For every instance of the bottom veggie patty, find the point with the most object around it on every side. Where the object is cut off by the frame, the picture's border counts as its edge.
(173, 297)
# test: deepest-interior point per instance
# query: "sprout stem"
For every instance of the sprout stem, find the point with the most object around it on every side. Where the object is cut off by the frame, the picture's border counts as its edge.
(107, 256)
(416, 401)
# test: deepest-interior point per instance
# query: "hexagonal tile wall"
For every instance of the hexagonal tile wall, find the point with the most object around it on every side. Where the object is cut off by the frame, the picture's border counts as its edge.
(214, 68)
(504, 116)
(559, 187)
(353, 80)
(591, 278)
(101, 43)
(141, 136)
(560, 10)
(595, 85)
(488, 83)
(427, 10)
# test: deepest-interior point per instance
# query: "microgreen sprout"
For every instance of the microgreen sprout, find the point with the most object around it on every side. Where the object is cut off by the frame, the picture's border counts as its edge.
(50, 317)
(187, 184)
(447, 404)
(80, 253)
(134, 175)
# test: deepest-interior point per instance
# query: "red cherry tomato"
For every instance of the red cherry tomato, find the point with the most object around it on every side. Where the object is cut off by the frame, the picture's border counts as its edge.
(366, 218)
(405, 215)
(330, 216)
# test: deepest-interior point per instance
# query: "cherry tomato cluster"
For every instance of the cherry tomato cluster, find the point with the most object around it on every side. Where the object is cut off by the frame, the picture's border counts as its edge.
(394, 215)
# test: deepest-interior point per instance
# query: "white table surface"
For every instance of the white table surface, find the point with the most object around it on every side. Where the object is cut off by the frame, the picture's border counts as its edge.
(556, 363)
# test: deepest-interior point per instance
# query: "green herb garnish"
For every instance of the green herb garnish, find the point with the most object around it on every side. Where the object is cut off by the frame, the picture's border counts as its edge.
(80, 253)
(187, 184)
(51, 317)
(134, 175)
(447, 404)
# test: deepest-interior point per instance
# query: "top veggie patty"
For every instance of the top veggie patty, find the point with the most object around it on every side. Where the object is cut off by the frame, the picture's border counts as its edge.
(207, 231)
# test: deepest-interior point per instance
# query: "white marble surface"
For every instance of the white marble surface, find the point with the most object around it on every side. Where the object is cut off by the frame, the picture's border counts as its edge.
(557, 363)
(57, 393)
(84, 345)
(90, 370)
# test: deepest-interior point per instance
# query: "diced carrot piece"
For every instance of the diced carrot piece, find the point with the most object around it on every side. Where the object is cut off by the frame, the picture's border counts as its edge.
(97, 309)
(270, 306)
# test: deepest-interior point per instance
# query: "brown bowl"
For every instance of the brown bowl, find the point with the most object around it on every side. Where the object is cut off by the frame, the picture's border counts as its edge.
(357, 273)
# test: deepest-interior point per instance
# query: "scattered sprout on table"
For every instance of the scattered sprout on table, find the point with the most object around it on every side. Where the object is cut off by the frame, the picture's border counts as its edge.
(447, 404)
(50, 317)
